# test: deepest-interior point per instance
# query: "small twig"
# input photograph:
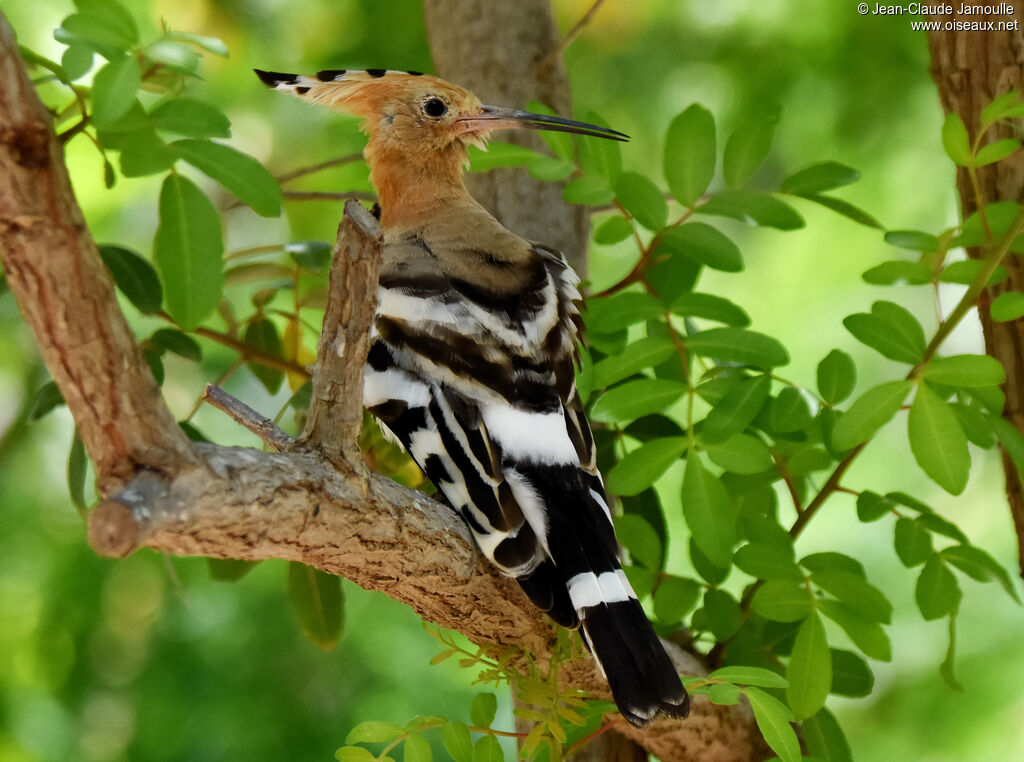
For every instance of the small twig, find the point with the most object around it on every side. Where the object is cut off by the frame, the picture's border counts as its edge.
(258, 424)
(314, 168)
(587, 739)
(329, 196)
(572, 34)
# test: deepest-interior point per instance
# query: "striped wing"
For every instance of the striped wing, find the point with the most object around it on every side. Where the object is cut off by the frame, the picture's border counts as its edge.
(479, 387)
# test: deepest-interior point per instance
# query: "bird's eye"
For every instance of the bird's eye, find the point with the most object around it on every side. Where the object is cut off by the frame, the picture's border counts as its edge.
(435, 107)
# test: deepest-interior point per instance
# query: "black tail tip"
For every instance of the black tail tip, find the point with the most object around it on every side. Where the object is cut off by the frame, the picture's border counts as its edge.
(675, 707)
(274, 78)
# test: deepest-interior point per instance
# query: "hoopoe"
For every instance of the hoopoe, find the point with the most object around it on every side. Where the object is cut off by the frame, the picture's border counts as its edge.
(471, 368)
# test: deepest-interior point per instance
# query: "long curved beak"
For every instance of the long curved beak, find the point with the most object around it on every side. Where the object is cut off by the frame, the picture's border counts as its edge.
(496, 118)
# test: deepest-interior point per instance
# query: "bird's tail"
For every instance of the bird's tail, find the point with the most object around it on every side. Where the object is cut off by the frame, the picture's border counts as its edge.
(585, 582)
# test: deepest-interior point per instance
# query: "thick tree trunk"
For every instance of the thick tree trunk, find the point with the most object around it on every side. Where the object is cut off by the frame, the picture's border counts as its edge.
(970, 69)
(500, 52)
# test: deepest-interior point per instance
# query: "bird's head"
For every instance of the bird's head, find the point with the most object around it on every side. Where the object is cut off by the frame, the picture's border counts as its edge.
(416, 113)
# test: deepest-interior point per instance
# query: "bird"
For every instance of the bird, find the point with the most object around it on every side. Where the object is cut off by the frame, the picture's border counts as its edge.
(471, 367)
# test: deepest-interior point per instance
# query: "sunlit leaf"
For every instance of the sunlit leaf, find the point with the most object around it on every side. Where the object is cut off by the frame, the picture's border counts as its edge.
(810, 669)
(870, 412)
(238, 172)
(938, 441)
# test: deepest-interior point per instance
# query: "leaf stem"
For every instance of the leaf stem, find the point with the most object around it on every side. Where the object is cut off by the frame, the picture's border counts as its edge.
(587, 739)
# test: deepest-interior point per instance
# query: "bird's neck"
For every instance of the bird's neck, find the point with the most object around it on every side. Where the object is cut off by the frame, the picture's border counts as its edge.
(414, 186)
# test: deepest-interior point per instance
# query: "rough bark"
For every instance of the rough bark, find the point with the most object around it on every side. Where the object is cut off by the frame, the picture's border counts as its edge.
(970, 69)
(500, 52)
(66, 294)
(312, 503)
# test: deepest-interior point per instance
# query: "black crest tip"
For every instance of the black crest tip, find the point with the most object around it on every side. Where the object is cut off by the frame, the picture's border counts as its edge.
(275, 78)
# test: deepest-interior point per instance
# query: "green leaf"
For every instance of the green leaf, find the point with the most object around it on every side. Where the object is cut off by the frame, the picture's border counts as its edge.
(47, 398)
(417, 749)
(996, 109)
(645, 353)
(76, 60)
(317, 600)
(773, 718)
(674, 599)
(912, 541)
(768, 562)
(354, 754)
(825, 739)
(636, 399)
(810, 669)
(600, 157)
(641, 539)
(753, 207)
(1011, 439)
(373, 731)
(703, 244)
(869, 413)
(261, 334)
(871, 506)
(238, 172)
(78, 465)
(104, 21)
(996, 151)
(550, 168)
(747, 148)
(645, 465)
(898, 271)
(744, 675)
(642, 199)
(209, 44)
(189, 251)
(456, 740)
(709, 512)
(948, 667)
(1009, 305)
(135, 277)
(181, 344)
(174, 56)
(736, 410)
(613, 230)
(965, 370)
(487, 749)
(837, 375)
(500, 155)
(790, 411)
(915, 240)
(739, 345)
(955, 140)
(856, 593)
(937, 592)
(483, 709)
(689, 160)
(846, 209)
(829, 560)
(712, 574)
(724, 694)
(965, 272)
(783, 600)
(980, 566)
(851, 675)
(710, 307)
(741, 454)
(144, 153)
(720, 614)
(113, 90)
(889, 329)
(588, 190)
(612, 313)
(820, 177)
(229, 569)
(191, 118)
(869, 637)
(938, 441)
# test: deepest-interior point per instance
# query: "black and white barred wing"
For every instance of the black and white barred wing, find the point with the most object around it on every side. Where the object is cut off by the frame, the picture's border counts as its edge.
(479, 388)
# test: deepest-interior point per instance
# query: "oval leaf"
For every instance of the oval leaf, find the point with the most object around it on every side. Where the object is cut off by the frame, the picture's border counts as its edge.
(709, 512)
(636, 399)
(189, 251)
(773, 720)
(689, 160)
(135, 277)
(938, 441)
(704, 244)
(317, 601)
(820, 177)
(113, 90)
(810, 669)
(837, 375)
(645, 465)
(747, 147)
(937, 592)
(238, 172)
(739, 345)
(965, 370)
(869, 413)
(642, 199)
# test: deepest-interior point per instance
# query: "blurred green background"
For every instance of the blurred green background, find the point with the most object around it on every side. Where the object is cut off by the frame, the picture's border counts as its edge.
(148, 659)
